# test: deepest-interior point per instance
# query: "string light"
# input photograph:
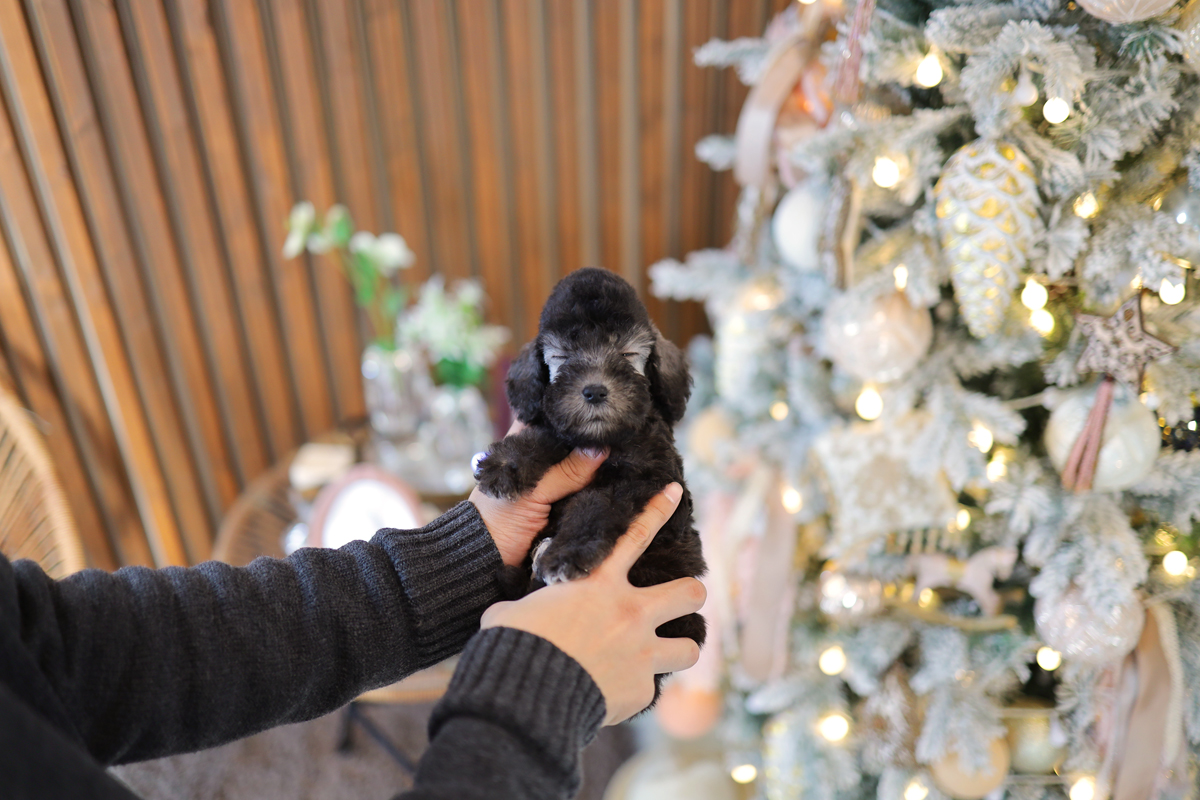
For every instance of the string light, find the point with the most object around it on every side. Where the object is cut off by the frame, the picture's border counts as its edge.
(1049, 659)
(1042, 321)
(962, 519)
(1086, 205)
(835, 727)
(793, 501)
(1025, 93)
(1056, 110)
(900, 273)
(779, 411)
(744, 773)
(832, 661)
(869, 404)
(981, 438)
(1171, 293)
(1083, 789)
(929, 71)
(807, 2)
(916, 790)
(925, 598)
(997, 468)
(1034, 295)
(1175, 563)
(885, 173)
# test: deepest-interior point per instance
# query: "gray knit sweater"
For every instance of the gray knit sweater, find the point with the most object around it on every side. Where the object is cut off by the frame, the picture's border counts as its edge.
(101, 669)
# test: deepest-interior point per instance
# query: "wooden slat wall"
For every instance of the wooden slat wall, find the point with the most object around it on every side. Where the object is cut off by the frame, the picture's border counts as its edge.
(150, 151)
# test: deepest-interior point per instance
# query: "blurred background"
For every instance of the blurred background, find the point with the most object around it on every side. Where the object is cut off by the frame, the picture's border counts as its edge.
(150, 152)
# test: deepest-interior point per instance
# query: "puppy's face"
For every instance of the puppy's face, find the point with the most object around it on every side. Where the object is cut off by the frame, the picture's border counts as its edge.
(598, 390)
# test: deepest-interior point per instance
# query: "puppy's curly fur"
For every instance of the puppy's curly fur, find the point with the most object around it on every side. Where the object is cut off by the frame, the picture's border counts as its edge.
(600, 375)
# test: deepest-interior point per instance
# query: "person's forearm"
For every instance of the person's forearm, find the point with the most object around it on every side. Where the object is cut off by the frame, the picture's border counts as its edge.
(152, 662)
(512, 724)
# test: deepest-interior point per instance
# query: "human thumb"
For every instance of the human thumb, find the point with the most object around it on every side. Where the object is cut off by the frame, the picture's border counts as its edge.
(568, 476)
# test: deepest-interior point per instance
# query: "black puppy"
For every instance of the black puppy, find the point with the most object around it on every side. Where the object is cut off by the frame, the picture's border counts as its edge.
(600, 375)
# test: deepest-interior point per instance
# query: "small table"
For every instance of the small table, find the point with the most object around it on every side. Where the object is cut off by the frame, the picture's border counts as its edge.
(255, 526)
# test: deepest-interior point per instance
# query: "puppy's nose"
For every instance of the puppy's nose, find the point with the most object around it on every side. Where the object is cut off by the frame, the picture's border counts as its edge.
(595, 393)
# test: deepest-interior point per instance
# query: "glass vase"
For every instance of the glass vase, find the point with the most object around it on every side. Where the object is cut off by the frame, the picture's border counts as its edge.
(393, 384)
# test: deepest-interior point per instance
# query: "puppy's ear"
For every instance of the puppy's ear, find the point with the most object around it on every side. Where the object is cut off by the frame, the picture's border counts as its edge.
(528, 377)
(670, 381)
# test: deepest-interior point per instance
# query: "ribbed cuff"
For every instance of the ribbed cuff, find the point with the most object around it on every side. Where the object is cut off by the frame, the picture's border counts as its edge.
(528, 686)
(449, 573)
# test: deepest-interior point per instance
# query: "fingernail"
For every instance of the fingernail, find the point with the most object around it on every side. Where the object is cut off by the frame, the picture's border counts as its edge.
(673, 492)
(592, 453)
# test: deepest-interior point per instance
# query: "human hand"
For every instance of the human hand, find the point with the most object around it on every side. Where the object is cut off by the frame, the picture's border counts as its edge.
(514, 523)
(607, 624)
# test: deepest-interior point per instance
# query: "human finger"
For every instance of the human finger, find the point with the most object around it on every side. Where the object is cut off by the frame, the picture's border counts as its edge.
(634, 541)
(568, 476)
(488, 620)
(673, 655)
(516, 427)
(674, 599)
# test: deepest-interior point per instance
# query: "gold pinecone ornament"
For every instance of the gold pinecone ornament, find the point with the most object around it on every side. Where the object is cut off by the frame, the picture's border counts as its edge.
(987, 209)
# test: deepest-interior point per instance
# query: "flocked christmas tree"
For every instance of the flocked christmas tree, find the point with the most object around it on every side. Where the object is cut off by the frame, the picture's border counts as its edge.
(944, 429)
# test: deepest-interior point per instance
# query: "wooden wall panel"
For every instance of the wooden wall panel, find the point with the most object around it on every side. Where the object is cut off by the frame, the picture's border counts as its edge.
(150, 151)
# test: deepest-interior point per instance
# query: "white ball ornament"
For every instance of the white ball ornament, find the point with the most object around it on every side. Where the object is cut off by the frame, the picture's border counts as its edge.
(796, 226)
(1132, 438)
(1084, 633)
(876, 339)
(1122, 12)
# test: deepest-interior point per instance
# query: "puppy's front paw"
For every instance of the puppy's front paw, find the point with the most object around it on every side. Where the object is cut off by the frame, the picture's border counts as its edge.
(553, 564)
(500, 477)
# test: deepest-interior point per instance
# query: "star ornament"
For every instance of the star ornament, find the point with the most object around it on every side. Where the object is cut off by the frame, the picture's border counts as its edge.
(1119, 345)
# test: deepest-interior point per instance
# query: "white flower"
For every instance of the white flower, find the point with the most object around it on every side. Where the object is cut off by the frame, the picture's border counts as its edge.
(388, 251)
(299, 223)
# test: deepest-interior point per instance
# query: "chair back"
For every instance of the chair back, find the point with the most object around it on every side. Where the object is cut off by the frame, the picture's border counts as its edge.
(35, 521)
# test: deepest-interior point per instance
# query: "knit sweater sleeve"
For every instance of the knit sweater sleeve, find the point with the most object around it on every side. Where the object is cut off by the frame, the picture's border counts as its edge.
(143, 663)
(512, 724)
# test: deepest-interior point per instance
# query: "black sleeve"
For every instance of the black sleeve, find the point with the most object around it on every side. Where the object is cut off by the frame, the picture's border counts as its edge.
(143, 663)
(512, 724)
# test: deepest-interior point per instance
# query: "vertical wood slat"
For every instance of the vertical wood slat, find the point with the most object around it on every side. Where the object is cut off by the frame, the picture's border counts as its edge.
(73, 249)
(512, 140)
(242, 38)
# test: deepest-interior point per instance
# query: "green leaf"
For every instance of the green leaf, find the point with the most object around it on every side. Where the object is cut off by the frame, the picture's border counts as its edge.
(338, 226)
(459, 373)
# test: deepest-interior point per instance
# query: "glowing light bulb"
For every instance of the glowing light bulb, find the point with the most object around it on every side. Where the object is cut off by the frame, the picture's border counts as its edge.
(1025, 93)
(900, 273)
(929, 71)
(916, 790)
(793, 501)
(869, 404)
(925, 598)
(981, 438)
(1175, 563)
(1056, 110)
(835, 727)
(807, 2)
(1086, 205)
(744, 773)
(761, 300)
(779, 411)
(1042, 321)
(1049, 659)
(997, 468)
(832, 661)
(1083, 789)
(886, 172)
(1034, 295)
(1171, 293)
(962, 519)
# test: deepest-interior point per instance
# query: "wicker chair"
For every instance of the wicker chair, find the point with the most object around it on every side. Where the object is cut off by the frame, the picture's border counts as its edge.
(35, 521)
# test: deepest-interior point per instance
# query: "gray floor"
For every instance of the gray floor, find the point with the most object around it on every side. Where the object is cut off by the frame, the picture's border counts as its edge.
(303, 762)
